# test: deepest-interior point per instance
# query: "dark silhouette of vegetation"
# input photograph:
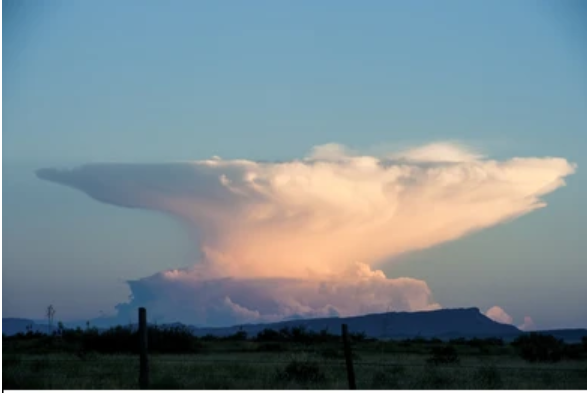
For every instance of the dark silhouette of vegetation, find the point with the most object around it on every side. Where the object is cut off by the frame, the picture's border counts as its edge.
(574, 351)
(238, 336)
(298, 335)
(180, 340)
(446, 354)
(302, 371)
(272, 347)
(172, 340)
(535, 348)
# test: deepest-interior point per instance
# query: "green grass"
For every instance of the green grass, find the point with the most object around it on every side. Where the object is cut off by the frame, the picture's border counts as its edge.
(246, 366)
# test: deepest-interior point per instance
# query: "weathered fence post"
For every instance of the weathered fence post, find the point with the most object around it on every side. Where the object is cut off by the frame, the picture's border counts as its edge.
(348, 357)
(144, 360)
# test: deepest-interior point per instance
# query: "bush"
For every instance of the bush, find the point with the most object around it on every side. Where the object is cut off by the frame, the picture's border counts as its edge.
(358, 337)
(301, 335)
(178, 339)
(573, 351)
(303, 371)
(173, 340)
(271, 347)
(536, 347)
(238, 336)
(458, 341)
(268, 335)
(443, 355)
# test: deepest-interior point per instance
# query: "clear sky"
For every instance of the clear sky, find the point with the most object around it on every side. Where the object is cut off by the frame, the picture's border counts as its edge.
(156, 80)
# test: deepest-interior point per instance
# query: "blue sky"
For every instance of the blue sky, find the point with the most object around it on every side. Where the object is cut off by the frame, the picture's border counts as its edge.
(154, 81)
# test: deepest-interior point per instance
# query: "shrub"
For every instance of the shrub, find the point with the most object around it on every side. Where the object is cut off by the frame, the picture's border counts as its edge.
(300, 335)
(324, 336)
(238, 336)
(573, 351)
(458, 341)
(271, 347)
(176, 340)
(443, 355)
(303, 371)
(536, 347)
(268, 335)
(358, 337)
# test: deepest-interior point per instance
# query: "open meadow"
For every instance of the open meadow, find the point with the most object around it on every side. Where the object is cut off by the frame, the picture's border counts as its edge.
(258, 363)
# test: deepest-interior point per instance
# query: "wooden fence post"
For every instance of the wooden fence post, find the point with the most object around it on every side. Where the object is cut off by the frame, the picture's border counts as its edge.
(348, 357)
(144, 360)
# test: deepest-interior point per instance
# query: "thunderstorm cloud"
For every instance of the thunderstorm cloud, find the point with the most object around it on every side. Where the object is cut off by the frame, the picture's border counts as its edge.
(307, 237)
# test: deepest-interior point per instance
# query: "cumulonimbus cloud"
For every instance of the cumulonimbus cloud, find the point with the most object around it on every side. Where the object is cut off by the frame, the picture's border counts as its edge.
(305, 237)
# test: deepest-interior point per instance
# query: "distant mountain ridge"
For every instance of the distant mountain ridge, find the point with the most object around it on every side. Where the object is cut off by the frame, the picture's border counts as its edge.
(466, 322)
(11, 326)
(443, 324)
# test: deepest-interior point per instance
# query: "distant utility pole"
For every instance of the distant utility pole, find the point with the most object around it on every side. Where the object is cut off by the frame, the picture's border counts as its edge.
(50, 314)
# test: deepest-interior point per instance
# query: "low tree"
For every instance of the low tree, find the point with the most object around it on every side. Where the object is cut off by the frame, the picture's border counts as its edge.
(535, 347)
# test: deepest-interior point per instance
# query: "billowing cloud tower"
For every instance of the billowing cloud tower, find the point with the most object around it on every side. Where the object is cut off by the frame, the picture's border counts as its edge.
(305, 237)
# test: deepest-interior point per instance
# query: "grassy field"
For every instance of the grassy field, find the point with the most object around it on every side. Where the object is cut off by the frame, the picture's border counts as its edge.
(251, 365)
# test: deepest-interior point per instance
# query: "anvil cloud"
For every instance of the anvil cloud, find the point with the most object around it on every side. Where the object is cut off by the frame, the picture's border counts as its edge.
(305, 237)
